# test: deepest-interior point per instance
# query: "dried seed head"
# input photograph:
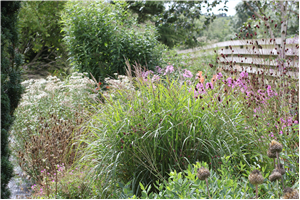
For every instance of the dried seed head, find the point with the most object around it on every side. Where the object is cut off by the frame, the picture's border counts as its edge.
(270, 154)
(290, 193)
(275, 175)
(275, 146)
(255, 177)
(203, 173)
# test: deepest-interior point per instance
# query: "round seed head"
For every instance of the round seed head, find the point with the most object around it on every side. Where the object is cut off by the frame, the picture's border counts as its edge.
(281, 170)
(203, 173)
(275, 146)
(275, 175)
(255, 177)
(290, 193)
(270, 154)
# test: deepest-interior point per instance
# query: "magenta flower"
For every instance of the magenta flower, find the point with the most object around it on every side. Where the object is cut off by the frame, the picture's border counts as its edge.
(187, 74)
(244, 74)
(158, 69)
(280, 132)
(209, 85)
(169, 69)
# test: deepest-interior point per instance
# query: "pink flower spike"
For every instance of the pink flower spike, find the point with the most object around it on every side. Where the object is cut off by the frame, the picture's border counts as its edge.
(48, 173)
(76, 168)
(57, 165)
(41, 189)
(52, 180)
(54, 173)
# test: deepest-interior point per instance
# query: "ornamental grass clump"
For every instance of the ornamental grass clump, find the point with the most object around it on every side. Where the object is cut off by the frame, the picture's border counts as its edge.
(256, 178)
(203, 174)
(161, 125)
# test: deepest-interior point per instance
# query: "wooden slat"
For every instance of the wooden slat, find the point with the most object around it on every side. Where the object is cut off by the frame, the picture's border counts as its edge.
(265, 59)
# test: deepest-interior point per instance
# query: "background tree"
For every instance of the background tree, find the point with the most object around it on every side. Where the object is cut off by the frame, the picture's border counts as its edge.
(176, 22)
(11, 88)
(40, 34)
(273, 18)
(243, 13)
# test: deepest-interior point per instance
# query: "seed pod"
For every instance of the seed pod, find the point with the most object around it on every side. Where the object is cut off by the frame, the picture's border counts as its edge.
(270, 154)
(275, 146)
(255, 177)
(290, 193)
(203, 173)
(275, 175)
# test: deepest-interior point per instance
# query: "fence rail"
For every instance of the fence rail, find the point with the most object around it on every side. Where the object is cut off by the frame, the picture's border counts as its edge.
(255, 55)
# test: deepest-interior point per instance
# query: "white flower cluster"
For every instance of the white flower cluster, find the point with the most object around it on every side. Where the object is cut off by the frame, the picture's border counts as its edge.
(76, 86)
(120, 84)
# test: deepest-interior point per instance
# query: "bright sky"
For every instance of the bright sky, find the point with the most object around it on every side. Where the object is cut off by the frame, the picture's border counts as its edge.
(230, 4)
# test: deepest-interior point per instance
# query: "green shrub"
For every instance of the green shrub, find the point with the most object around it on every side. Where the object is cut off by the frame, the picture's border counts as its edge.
(226, 185)
(11, 88)
(100, 35)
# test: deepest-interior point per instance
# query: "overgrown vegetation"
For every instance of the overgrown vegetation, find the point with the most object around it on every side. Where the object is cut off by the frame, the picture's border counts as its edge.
(136, 123)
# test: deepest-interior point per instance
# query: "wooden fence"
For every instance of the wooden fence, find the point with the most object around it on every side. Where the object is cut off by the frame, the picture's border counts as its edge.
(255, 55)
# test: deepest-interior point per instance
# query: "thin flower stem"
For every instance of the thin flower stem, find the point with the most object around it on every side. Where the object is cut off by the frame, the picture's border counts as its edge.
(277, 189)
(278, 165)
(282, 182)
(56, 183)
(256, 186)
(207, 187)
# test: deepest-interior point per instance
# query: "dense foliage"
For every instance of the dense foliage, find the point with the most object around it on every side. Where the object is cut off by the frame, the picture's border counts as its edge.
(40, 34)
(100, 35)
(10, 85)
(223, 184)
(176, 20)
(189, 126)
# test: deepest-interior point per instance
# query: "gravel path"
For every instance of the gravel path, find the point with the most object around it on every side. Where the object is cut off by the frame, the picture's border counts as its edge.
(19, 186)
